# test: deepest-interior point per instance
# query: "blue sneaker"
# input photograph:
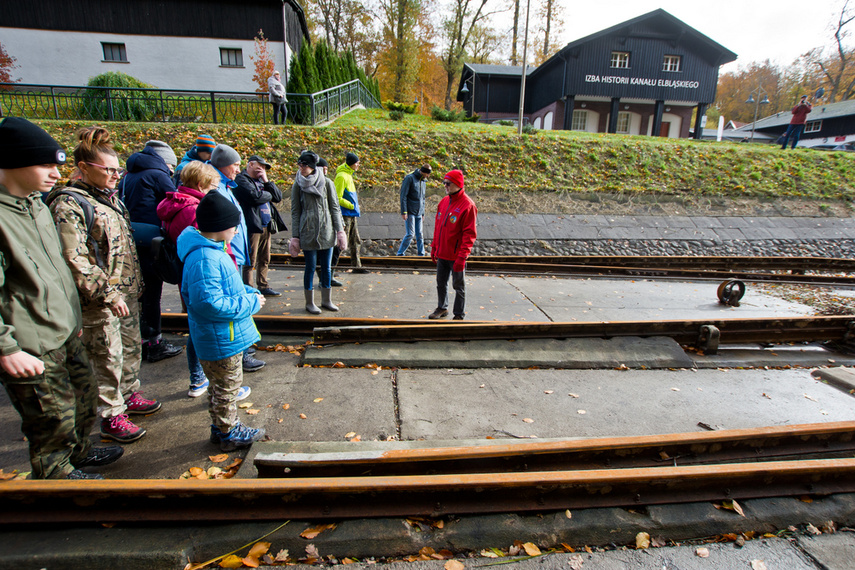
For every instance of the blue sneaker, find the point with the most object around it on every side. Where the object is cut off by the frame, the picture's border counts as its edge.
(243, 393)
(239, 437)
(198, 389)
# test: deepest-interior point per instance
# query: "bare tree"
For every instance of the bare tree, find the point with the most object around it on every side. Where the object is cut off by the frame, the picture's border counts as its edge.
(838, 70)
(516, 34)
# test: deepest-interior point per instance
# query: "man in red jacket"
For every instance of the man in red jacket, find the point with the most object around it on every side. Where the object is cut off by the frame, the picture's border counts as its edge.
(797, 123)
(453, 237)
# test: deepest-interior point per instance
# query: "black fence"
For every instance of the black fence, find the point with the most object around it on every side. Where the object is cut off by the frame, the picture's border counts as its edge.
(175, 105)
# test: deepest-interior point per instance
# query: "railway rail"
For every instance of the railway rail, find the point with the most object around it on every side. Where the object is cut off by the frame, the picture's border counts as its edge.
(811, 270)
(815, 469)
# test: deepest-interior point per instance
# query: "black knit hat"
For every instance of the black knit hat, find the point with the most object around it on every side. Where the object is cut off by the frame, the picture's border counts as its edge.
(309, 159)
(24, 144)
(351, 159)
(323, 162)
(216, 213)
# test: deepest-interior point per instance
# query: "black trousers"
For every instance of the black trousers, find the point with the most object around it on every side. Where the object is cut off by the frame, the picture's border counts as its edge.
(444, 268)
(150, 300)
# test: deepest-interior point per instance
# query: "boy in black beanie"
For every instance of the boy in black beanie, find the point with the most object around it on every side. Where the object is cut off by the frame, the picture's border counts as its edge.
(219, 308)
(43, 365)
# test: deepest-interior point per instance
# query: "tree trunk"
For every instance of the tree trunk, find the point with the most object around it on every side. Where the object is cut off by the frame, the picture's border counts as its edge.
(516, 39)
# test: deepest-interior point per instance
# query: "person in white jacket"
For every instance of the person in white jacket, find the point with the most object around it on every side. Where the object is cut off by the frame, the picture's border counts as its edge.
(277, 98)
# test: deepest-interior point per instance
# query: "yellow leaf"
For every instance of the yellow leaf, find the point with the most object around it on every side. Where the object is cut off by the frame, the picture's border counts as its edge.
(196, 471)
(231, 561)
(350, 434)
(338, 364)
(316, 400)
(531, 549)
(252, 412)
(642, 540)
(489, 554)
(286, 406)
(250, 562)
(568, 514)
(245, 405)
(218, 458)
(454, 565)
(259, 549)
(314, 531)
(303, 416)
(528, 420)
(213, 472)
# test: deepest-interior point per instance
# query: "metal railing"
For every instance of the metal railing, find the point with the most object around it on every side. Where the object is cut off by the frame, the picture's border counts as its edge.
(175, 105)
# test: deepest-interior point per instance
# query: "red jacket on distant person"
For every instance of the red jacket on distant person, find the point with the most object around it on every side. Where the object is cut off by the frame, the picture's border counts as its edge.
(178, 211)
(800, 113)
(454, 232)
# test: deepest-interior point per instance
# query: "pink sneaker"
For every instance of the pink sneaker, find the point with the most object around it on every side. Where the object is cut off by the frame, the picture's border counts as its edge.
(120, 428)
(137, 405)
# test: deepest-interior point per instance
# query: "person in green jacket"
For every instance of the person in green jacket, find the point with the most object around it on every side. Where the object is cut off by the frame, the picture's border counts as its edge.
(43, 365)
(349, 203)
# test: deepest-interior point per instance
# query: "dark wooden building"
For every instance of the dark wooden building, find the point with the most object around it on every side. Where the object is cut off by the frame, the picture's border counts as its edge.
(644, 76)
(172, 44)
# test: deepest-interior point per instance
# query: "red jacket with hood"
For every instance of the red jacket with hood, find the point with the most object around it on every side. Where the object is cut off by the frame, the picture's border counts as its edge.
(454, 231)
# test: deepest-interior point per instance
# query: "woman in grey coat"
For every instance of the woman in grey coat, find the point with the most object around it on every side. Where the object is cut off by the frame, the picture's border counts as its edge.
(316, 227)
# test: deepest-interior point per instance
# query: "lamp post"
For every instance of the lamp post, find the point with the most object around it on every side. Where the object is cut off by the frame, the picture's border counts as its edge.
(465, 90)
(757, 103)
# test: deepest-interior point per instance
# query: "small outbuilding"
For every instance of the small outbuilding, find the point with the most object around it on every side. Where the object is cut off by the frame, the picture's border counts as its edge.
(645, 76)
(828, 124)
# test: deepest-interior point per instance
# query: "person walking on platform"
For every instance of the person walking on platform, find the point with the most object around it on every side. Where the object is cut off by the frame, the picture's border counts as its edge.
(316, 226)
(43, 365)
(349, 203)
(99, 249)
(453, 237)
(413, 208)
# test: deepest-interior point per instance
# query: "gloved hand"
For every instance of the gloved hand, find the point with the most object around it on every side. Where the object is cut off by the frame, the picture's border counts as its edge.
(341, 240)
(459, 265)
(294, 247)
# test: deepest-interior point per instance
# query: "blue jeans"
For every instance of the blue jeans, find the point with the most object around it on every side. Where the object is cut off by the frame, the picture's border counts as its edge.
(444, 268)
(794, 131)
(413, 225)
(314, 257)
(197, 375)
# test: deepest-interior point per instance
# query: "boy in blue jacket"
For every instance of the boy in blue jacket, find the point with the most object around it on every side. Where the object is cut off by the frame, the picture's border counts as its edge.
(220, 309)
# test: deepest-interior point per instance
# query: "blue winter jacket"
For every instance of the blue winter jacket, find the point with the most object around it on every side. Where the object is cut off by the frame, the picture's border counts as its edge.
(219, 305)
(190, 156)
(240, 243)
(145, 185)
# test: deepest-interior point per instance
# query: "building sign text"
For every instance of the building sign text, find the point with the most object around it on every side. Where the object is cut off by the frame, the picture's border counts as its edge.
(648, 82)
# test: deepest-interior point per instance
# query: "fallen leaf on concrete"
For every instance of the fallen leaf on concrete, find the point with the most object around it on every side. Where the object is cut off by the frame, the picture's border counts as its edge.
(349, 561)
(338, 364)
(738, 508)
(575, 562)
(568, 514)
(657, 542)
(482, 386)
(622, 367)
(454, 565)
(702, 552)
(349, 434)
(231, 561)
(7, 476)
(675, 389)
(489, 554)
(514, 549)
(767, 396)
(812, 530)
(218, 458)
(286, 406)
(758, 565)
(259, 549)
(245, 405)
(583, 412)
(250, 562)
(314, 531)
(303, 416)
(642, 540)
(810, 398)
(213, 471)
(253, 412)
(316, 400)
(548, 391)
(281, 556)
(196, 471)
(528, 420)
(572, 395)
(828, 527)
(531, 549)
(312, 551)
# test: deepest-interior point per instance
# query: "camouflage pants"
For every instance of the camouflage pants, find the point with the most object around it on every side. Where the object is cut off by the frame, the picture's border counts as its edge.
(57, 409)
(114, 346)
(225, 377)
(351, 229)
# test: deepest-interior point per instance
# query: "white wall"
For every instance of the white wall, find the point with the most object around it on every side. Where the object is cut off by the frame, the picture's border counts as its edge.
(72, 58)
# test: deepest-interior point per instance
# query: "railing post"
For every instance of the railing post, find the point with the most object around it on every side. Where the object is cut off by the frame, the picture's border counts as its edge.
(53, 102)
(162, 109)
(312, 97)
(110, 114)
(213, 108)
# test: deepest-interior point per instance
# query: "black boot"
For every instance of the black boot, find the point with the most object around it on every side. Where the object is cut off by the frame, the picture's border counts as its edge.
(158, 350)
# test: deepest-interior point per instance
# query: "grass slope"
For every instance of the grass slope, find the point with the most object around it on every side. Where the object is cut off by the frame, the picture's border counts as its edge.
(497, 160)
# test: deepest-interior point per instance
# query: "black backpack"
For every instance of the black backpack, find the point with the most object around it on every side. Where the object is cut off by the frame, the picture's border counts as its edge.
(167, 264)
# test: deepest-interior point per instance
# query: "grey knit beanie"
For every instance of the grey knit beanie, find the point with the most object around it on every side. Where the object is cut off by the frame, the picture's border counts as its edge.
(224, 155)
(164, 151)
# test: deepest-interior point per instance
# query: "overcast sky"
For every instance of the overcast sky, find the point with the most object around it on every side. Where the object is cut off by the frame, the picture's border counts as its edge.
(780, 30)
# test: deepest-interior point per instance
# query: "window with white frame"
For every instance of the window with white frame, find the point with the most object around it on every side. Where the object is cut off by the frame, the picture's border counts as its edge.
(580, 121)
(623, 120)
(813, 126)
(620, 59)
(231, 57)
(671, 63)
(114, 52)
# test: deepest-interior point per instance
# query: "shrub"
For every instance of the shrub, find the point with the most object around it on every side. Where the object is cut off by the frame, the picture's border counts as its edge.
(402, 107)
(116, 104)
(529, 129)
(396, 115)
(473, 119)
(450, 116)
(505, 123)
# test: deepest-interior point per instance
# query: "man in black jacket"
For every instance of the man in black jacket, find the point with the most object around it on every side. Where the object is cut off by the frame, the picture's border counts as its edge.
(257, 195)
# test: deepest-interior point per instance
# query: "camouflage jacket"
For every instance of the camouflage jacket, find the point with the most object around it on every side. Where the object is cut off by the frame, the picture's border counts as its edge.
(102, 280)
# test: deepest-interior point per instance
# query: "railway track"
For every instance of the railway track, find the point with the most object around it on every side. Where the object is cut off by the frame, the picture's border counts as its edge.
(812, 459)
(810, 270)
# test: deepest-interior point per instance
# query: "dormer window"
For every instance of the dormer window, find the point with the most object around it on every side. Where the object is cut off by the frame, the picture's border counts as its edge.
(620, 59)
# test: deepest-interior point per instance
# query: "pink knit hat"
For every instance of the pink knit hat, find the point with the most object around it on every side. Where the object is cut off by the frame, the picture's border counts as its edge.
(456, 178)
